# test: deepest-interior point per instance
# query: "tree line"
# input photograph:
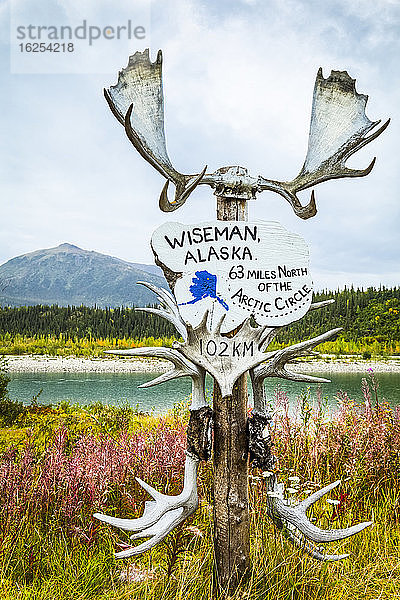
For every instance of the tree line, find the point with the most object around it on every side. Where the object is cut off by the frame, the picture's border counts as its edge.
(372, 315)
(82, 322)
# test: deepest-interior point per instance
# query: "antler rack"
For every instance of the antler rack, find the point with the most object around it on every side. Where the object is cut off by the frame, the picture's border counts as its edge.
(338, 129)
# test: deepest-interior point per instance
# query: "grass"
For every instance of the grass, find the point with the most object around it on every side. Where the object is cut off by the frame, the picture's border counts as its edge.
(58, 465)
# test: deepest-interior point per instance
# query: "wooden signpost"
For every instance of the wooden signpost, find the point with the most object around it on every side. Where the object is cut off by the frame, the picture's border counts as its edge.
(234, 284)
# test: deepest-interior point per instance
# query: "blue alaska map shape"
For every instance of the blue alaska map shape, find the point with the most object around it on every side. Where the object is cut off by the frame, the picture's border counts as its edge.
(204, 285)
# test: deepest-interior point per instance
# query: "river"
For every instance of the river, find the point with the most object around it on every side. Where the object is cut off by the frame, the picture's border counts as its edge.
(122, 388)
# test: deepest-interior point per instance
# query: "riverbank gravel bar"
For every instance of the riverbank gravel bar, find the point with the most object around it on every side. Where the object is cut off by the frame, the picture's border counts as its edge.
(73, 364)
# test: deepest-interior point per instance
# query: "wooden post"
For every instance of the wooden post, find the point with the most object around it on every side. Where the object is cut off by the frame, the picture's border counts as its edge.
(231, 501)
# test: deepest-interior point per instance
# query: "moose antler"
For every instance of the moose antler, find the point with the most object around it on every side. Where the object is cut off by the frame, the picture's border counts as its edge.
(167, 309)
(165, 512)
(137, 102)
(338, 129)
(293, 519)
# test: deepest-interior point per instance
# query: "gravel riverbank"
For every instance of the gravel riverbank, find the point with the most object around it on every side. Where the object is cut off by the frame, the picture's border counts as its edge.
(72, 364)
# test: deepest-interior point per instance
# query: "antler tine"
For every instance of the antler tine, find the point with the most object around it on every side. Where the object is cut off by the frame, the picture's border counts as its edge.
(284, 190)
(169, 310)
(317, 305)
(305, 545)
(166, 512)
(183, 367)
(217, 329)
(310, 500)
(275, 366)
(154, 511)
(338, 129)
(162, 294)
(157, 532)
(266, 335)
(156, 351)
(262, 334)
(297, 539)
(185, 184)
(144, 152)
(164, 314)
(303, 348)
(358, 144)
(198, 390)
(182, 192)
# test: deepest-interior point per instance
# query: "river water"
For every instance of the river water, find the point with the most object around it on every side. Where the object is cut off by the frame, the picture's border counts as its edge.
(122, 388)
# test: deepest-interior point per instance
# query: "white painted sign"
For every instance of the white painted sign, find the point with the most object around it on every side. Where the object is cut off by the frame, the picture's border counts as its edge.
(236, 269)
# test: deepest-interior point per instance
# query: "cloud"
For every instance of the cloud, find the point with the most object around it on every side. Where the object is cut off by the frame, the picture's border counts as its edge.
(238, 87)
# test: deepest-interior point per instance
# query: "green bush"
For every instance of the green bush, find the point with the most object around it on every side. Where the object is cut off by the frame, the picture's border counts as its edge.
(10, 410)
(4, 379)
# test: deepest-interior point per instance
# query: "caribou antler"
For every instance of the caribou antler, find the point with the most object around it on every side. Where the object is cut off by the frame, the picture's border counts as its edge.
(226, 358)
(183, 367)
(161, 515)
(338, 129)
(305, 545)
(137, 102)
(292, 521)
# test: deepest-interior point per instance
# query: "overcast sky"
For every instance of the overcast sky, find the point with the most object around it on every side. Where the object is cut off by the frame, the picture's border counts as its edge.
(238, 82)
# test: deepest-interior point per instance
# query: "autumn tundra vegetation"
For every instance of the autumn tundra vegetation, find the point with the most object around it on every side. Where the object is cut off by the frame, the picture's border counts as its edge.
(60, 464)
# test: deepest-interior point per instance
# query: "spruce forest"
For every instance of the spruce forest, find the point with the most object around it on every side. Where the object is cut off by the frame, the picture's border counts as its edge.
(370, 320)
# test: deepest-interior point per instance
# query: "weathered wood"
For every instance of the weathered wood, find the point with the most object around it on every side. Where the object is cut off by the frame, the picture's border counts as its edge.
(231, 499)
(231, 503)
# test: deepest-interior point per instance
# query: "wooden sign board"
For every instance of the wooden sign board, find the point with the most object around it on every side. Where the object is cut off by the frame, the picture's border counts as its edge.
(236, 269)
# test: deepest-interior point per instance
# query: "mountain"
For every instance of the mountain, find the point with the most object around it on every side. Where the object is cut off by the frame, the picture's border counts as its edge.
(68, 275)
(149, 269)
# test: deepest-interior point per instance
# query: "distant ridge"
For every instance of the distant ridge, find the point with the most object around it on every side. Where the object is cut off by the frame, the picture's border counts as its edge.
(68, 275)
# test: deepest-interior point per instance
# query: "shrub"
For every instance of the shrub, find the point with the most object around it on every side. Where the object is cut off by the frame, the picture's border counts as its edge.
(4, 379)
(10, 410)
